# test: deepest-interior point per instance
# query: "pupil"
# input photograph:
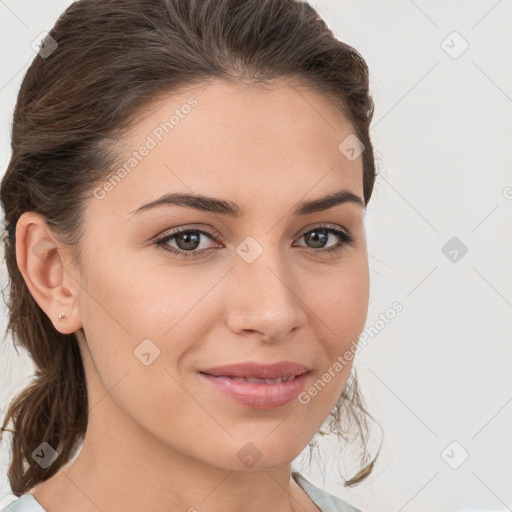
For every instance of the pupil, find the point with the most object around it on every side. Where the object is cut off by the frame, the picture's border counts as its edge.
(191, 241)
(317, 236)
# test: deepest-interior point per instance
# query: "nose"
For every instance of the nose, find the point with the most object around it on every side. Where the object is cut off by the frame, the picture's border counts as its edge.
(265, 298)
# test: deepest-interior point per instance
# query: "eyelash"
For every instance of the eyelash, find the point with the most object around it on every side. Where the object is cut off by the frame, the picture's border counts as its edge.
(345, 237)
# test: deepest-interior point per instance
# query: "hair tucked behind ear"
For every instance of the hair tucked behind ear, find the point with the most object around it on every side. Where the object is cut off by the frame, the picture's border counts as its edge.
(105, 61)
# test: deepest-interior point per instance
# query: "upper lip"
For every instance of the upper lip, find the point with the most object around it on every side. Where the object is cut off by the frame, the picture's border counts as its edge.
(257, 370)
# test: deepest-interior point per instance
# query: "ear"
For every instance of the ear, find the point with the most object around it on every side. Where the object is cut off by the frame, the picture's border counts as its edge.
(41, 257)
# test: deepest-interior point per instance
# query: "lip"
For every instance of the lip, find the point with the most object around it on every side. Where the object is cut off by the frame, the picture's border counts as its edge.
(258, 395)
(257, 370)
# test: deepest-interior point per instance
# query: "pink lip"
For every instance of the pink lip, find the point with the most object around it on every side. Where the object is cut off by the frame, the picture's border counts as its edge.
(258, 370)
(258, 395)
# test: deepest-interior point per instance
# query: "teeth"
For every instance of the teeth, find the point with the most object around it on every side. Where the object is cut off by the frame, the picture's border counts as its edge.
(267, 381)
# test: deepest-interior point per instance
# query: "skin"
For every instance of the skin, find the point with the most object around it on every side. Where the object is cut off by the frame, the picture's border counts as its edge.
(158, 437)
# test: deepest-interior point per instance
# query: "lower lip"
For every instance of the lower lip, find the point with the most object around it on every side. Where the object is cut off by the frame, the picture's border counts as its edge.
(258, 395)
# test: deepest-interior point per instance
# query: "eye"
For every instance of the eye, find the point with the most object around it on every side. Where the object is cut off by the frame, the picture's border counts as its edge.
(319, 236)
(188, 240)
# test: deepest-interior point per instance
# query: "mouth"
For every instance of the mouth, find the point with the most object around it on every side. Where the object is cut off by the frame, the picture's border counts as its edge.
(281, 371)
(283, 378)
(266, 390)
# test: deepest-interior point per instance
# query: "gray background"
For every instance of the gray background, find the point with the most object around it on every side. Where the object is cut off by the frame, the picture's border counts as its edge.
(438, 375)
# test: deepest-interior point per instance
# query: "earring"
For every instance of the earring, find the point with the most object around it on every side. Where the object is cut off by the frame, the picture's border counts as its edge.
(62, 317)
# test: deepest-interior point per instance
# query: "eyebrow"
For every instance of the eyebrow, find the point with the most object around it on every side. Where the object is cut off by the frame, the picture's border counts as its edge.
(231, 209)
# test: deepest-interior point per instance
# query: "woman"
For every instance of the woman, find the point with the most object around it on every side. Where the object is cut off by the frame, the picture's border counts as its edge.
(184, 212)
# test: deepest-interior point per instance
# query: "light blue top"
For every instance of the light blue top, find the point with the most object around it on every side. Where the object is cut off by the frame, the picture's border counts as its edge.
(323, 500)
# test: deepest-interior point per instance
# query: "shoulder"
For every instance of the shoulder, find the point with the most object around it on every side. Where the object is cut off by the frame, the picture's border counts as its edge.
(25, 503)
(326, 502)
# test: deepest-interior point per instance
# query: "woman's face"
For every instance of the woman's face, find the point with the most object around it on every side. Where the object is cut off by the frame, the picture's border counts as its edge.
(260, 286)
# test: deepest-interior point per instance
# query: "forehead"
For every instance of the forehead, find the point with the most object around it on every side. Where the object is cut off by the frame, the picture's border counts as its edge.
(234, 140)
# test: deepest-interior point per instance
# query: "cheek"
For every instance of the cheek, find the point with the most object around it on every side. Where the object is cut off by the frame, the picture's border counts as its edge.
(347, 312)
(135, 313)
(337, 318)
(340, 301)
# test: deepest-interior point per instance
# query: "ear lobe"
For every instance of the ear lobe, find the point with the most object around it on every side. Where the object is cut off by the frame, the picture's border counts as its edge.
(40, 257)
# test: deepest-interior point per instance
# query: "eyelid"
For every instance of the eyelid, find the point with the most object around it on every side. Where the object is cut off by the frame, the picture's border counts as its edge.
(165, 237)
(323, 225)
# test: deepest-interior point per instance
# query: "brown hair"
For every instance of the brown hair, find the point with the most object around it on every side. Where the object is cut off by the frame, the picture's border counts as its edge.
(105, 61)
